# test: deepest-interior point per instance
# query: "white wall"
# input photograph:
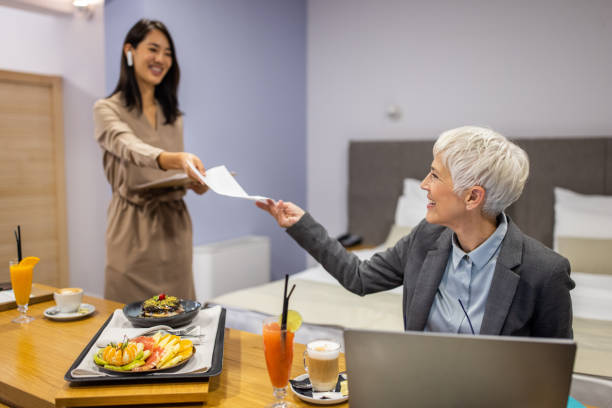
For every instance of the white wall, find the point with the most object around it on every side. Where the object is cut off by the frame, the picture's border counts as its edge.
(525, 68)
(243, 92)
(70, 46)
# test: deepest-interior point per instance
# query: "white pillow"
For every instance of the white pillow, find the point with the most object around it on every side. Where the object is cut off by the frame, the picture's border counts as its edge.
(582, 215)
(412, 186)
(592, 296)
(592, 203)
(412, 205)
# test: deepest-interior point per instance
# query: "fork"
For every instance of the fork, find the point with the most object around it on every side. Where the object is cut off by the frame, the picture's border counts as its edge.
(168, 329)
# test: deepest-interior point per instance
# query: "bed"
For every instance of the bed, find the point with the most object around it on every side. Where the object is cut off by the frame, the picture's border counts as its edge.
(565, 205)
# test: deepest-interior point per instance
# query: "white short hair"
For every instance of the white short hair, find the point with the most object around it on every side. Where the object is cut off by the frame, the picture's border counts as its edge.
(478, 156)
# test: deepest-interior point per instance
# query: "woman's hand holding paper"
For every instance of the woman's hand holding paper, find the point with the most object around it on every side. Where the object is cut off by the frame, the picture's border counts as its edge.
(198, 188)
(181, 161)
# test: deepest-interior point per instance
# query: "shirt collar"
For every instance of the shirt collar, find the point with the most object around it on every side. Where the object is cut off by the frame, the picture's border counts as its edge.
(485, 251)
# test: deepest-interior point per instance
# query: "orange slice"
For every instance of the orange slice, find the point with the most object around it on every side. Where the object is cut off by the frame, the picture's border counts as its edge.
(29, 261)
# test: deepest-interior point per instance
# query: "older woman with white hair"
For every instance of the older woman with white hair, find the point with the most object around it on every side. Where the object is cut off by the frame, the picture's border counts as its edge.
(466, 268)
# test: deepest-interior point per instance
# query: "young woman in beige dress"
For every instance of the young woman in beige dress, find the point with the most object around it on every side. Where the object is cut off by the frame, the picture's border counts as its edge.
(140, 129)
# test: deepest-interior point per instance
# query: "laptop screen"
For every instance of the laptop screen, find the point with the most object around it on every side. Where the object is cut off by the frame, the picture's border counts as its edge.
(447, 370)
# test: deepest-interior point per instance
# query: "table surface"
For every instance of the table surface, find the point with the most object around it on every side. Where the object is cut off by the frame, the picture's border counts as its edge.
(36, 356)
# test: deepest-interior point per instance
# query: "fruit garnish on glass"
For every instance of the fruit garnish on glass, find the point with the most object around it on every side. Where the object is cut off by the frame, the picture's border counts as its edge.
(294, 320)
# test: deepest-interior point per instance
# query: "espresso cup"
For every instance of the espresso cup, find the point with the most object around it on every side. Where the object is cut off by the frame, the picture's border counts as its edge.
(321, 363)
(68, 300)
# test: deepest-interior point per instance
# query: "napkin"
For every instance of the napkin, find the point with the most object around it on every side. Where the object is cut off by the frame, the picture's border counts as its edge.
(207, 320)
(340, 392)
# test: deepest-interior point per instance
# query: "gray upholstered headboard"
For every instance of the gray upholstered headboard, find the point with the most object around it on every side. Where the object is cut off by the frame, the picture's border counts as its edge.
(377, 168)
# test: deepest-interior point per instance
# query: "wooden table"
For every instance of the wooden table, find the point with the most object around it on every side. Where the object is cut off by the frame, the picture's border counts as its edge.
(36, 356)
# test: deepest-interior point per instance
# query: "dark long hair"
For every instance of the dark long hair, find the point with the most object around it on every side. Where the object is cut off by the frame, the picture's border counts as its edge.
(165, 91)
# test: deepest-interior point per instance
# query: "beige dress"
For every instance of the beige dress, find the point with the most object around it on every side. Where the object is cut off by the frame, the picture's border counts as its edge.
(148, 233)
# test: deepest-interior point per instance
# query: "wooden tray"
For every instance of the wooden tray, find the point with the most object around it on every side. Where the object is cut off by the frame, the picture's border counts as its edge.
(40, 293)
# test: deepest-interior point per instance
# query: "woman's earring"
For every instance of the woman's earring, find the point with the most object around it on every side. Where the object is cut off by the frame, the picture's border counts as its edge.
(130, 60)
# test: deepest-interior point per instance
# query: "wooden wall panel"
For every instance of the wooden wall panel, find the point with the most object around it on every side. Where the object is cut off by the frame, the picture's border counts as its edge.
(32, 179)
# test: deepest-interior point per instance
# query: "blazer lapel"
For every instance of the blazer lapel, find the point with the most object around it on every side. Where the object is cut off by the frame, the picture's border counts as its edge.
(504, 283)
(427, 282)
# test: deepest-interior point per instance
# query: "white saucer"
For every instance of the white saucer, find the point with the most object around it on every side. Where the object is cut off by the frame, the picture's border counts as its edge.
(314, 400)
(84, 311)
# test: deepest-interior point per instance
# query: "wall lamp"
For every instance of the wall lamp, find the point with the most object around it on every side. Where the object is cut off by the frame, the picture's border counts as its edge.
(84, 7)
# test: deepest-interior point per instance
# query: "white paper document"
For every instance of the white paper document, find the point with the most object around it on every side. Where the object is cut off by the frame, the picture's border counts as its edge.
(220, 180)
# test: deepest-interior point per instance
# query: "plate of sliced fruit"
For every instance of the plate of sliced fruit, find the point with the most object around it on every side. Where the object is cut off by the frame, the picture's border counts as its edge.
(145, 354)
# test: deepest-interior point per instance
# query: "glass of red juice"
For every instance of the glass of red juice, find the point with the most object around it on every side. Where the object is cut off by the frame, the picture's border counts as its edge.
(278, 349)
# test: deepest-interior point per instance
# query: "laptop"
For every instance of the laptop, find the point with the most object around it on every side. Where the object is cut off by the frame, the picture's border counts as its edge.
(423, 369)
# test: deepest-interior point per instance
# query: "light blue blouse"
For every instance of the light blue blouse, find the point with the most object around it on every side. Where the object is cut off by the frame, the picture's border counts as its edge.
(467, 277)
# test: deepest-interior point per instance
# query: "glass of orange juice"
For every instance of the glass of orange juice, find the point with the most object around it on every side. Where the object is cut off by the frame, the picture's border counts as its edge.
(21, 280)
(278, 349)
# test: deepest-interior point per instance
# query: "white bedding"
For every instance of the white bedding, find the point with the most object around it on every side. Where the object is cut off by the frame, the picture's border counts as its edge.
(327, 308)
(592, 296)
(318, 274)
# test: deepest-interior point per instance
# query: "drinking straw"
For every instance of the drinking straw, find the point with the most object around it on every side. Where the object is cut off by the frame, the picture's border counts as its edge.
(285, 304)
(289, 295)
(18, 238)
(285, 307)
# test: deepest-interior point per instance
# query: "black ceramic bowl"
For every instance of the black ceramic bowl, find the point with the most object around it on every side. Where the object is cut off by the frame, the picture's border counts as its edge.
(133, 312)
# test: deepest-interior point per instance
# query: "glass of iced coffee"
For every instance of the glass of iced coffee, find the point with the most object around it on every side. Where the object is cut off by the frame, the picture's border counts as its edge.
(321, 364)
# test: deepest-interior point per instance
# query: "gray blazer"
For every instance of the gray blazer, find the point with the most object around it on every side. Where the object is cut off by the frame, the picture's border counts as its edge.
(529, 293)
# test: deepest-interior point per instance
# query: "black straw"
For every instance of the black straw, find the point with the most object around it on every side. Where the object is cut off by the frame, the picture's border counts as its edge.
(18, 238)
(289, 295)
(285, 305)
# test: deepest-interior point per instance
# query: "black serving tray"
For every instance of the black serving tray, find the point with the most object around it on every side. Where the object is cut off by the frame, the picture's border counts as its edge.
(215, 367)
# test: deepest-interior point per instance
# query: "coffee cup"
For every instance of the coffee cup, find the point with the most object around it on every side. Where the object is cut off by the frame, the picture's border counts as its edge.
(321, 362)
(68, 300)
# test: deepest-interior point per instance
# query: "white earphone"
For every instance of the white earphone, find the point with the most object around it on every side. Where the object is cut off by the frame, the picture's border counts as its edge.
(130, 60)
